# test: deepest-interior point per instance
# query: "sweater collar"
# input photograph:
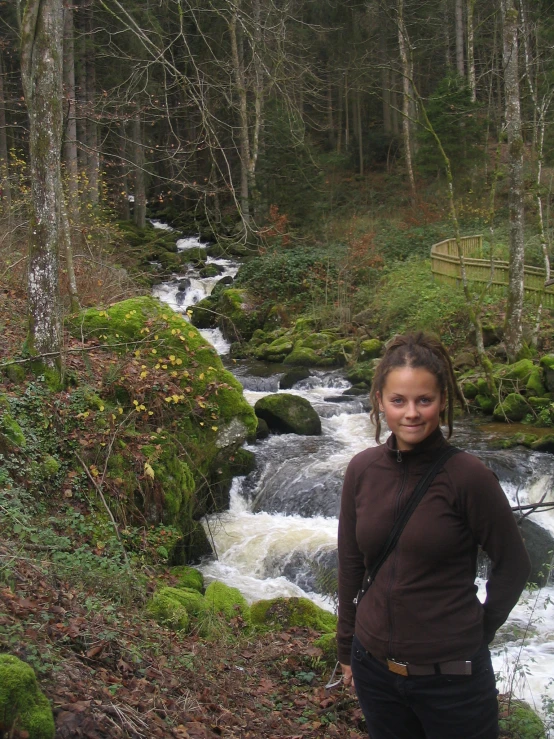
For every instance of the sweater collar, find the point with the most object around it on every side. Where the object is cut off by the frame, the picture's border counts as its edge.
(433, 442)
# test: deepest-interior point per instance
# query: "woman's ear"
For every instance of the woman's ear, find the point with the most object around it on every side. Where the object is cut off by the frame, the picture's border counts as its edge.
(380, 401)
(443, 401)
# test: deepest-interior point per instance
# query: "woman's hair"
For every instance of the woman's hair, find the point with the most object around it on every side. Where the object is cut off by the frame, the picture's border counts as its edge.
(417, 350)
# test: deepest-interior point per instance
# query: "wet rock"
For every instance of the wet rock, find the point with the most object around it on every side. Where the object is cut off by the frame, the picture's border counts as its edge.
(539, 544)
(290, 378)
(288, 414)
(514, 407)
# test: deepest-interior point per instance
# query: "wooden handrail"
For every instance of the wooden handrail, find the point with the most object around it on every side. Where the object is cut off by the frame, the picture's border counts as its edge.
(445, 266)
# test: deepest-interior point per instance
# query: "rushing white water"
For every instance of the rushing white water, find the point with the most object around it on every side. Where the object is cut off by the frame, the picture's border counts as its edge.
(280, 531)
(160, 225)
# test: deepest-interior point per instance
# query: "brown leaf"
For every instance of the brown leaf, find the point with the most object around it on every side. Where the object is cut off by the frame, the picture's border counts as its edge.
(96, 650)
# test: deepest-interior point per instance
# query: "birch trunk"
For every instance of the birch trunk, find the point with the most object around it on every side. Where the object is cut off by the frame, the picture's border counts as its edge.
(139, 211)
(471, 51)
(4, 161)
(459, 32)
(514, 310)
(93, 156)
(240, 84)
(41, 71)
(406, 96)
(70, 138)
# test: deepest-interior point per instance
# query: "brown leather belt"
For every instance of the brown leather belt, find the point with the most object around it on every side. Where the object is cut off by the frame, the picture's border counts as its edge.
(455, 667)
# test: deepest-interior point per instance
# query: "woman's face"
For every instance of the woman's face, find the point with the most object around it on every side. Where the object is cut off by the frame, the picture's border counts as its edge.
(412, 403)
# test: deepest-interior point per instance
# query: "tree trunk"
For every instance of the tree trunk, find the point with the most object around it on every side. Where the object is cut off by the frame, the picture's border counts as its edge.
(81, 87)
(240, 83)
(406, 95)
(41, 71)
(359, 130)
(471, 51)
(459, 29)
(385, 76)
(123, 197)
(139, 211)
(5, 188)
(330, 115)
(514, 311)
(93, 156)
(70, 138)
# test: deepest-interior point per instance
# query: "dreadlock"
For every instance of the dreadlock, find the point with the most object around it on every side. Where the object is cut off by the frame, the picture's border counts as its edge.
(417, 350)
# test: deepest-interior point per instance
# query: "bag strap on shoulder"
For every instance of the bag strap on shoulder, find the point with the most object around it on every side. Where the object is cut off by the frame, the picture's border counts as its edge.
(402, 520)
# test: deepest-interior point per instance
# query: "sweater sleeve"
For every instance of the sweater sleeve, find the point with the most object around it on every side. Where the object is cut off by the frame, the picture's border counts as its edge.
(494, 527)
(351, 566)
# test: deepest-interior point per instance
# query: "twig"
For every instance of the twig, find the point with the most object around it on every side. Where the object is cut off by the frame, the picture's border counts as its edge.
(106, 506)
(532, 507)
(78, 351)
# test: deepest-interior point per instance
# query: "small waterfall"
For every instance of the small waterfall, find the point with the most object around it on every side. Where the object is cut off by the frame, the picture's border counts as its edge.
(279, 535)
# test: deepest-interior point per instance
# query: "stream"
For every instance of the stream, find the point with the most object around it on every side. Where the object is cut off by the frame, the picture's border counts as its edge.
(279, 536)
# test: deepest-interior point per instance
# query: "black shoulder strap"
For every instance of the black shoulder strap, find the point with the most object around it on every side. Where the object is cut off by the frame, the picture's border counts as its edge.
(402, 520)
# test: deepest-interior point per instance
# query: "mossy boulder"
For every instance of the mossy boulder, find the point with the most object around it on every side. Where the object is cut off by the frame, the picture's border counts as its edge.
(200, 417)
(328, 644)
(485, 403)
(288, 414)
(519, 721)
(168, 611)
(302, 356)
(535, 385)
(283, 613)
(23, 707)
(276, 351)
(361, 372)
(338, 353)
(238, 316)
(226, 601)
(262, 432)
(290, 378)
(514, 407)
(519, 372)
(204, 313)
(15, 373)
(470, 390)
(547, 364)
(189, 578)
(370, 349)
(11, 431)
(305, 326)
(544, 444)
(316, 341)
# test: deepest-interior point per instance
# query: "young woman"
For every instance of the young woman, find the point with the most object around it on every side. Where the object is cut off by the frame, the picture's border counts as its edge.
(416, 647)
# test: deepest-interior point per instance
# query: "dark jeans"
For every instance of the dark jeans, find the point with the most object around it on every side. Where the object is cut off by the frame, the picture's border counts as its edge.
(426, 707)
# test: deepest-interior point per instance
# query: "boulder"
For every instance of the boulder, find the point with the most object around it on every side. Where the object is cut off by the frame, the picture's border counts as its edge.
(544, 444)
(290, 378)
(370, 349)
(262, 432)
(362, 372)
(302, 356)
(189, 578)
(464, 360)
(288, 414)
(514, 407)
(204, 313)
(317, 341)
(24, 709)
(547, 363)
(534, 385)
(285, 613)
(539, 544)
(470, 390)
(239, 318)
(485, 403)
(226, 601)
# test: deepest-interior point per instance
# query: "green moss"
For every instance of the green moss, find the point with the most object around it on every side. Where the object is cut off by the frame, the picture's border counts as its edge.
(302, 356)
(361, 372)
(283, 613)
(15, 373)
(316, 341)
(485, 403)
(175, 477)
(12, 431)
(227, 601)
(370, 349)
(520, 371)
(535, 385)
(522, 722)
(328, 645)
(189, 598)
(22, 704)
(288, 413)
(189, 577)
(239, 318)
(204, 313)
(168, 611)
(50, 465)
(470, 390)
(514, 407)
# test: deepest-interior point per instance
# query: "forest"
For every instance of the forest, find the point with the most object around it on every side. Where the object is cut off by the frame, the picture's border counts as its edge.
(206, 204)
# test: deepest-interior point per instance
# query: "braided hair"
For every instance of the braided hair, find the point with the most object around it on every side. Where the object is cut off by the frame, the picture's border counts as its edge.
(417, 350)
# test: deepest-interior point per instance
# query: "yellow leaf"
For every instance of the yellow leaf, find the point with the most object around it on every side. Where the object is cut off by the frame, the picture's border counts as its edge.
(201, 376)
(172, 357)
(135, 402)
(120, 410)
(178, 361)
(167, 400)
(191, 333)
(214, 428)
(148, 470)
(164, 366)
(175, 398)
(101, 408)
(143, 375)
(154, 351)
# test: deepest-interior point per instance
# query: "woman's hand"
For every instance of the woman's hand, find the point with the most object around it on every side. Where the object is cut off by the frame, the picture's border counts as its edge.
(347, 678)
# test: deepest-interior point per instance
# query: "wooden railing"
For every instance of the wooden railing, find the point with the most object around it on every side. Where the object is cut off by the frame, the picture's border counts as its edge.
(445, 265)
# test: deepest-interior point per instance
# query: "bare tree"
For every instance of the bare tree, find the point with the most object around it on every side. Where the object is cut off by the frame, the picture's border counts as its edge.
(514, 311)
(41, 67)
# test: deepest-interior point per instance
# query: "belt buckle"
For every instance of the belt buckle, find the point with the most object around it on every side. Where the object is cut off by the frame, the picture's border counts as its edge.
(399, 668)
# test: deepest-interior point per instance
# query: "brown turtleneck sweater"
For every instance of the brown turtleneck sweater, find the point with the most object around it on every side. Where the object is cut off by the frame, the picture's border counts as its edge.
(422, 607)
